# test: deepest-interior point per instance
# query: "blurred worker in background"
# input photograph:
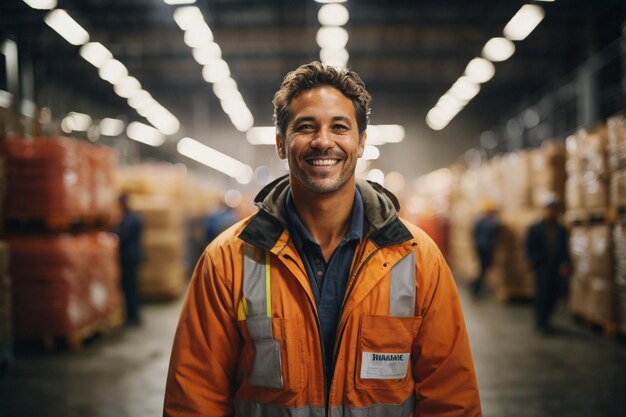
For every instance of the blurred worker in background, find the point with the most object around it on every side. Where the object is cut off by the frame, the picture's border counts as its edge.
(485, 234)
(324, 302)
(129, 232)
(219, 220)
(547, 250)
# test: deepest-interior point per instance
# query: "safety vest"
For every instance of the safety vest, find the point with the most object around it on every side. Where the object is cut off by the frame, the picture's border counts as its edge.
(255, 308)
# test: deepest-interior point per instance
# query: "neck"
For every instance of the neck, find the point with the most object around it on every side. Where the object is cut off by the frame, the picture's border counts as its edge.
(325, 216)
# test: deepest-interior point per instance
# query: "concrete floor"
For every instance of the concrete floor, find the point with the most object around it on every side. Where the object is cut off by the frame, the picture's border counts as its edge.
(574, 373)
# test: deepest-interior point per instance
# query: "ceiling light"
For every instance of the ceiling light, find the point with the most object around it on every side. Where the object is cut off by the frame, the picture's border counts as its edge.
(207, 53)
(187, 17)
(450, 104)
(243, 120)
(42, 4)
(225, 88)
(265, 135)
(524, 22)
(212, 158)
(332, 37)
(464, 89)
(164, 121)
(112, 71)
(127, 86)
(6, 99)
(216, 70)
(79, 122)
(334, 57)
(480, 70)
(436, 119)
(111, 127)
(145, 134)
(147, 107)
(95, 53)
(198, 35)
(137, 100)
(394, 182)
(177, 2)
(333, 15)
(67, 27)
(376, 175)
(392, 133)
(498, 49)
(330, 1)
(370, 153)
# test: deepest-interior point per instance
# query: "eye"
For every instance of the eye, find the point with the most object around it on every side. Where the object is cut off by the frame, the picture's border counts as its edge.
(340, 127)
(305, 127)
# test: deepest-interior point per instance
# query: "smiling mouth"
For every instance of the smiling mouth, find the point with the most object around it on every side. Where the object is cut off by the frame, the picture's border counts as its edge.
(323, 162)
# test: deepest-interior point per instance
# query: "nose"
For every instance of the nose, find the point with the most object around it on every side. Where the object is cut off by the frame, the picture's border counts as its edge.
(323, 139)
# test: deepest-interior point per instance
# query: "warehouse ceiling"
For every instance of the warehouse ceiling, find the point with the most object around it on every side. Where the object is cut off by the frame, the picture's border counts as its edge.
(408, 52)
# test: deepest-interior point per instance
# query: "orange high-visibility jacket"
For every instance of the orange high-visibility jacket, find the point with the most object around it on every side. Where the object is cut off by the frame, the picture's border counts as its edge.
(248, 340)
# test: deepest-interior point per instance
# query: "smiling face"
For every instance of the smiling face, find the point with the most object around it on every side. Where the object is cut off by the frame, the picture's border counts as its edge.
(321, 141)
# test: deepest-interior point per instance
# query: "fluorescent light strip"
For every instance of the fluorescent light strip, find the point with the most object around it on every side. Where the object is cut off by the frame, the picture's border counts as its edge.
(145, 134)
(212, 158)
(67, 27)
(42, 4)
(481, 70)
(524, 22)
(216, 71)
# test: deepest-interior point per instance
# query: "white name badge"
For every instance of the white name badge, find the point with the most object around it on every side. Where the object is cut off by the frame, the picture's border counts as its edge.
(376, 365)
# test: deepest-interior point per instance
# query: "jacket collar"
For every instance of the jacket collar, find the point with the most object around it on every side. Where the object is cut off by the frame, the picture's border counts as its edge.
(382, 224)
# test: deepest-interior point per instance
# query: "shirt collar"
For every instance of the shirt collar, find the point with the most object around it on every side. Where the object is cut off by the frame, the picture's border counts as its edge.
(300, 234)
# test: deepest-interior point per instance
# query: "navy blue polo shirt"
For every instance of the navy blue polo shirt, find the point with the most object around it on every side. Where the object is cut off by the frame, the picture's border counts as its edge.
(328, 279)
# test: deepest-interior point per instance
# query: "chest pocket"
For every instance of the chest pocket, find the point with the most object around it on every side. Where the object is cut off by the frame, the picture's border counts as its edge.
(385, 342)
(276, 360)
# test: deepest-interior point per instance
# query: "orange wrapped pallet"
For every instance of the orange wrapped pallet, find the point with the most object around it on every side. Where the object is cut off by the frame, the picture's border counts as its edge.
(53, 183)
(65, 285)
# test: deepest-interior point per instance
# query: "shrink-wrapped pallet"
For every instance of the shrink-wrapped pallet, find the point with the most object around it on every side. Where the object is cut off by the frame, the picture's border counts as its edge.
(619, 236)
(63, 284)
(547, 165)
(516, 180)
(57, 178)
(510, 274)
(592, 290)
(617, 141)
(618, 190)
(579, 283)
(162, 271)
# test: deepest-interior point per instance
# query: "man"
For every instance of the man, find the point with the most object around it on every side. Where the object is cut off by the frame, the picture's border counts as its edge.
(325, 302)
(129, 232)
(485, 235)
(547, 250)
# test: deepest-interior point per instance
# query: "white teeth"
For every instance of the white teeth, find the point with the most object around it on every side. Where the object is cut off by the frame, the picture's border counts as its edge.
(319, 162)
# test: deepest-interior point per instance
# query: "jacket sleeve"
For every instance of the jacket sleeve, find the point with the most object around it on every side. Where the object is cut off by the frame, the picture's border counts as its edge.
(445, 380)
(203, 364)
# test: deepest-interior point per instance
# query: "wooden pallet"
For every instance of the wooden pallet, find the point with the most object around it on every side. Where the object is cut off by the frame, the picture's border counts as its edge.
(76, 340)
(607, 328)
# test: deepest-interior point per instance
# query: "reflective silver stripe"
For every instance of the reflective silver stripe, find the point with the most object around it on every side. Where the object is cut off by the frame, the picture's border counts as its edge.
(378, 410)
(254, 281)
(267, 366)
(248, 408)
(402, 287)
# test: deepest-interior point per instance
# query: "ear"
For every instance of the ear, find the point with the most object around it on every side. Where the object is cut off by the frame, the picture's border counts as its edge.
(362, 144)
(280, 147)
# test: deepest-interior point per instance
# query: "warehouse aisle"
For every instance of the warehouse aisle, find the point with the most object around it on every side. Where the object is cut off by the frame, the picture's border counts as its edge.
(574, 373)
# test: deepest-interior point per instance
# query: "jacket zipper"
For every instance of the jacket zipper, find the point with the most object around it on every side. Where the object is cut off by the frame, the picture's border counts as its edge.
(319, 334)
(341, 327)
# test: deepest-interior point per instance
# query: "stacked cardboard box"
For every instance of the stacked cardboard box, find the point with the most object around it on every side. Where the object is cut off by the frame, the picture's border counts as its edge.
(157, 194)
(64, 284)
(619, 236)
